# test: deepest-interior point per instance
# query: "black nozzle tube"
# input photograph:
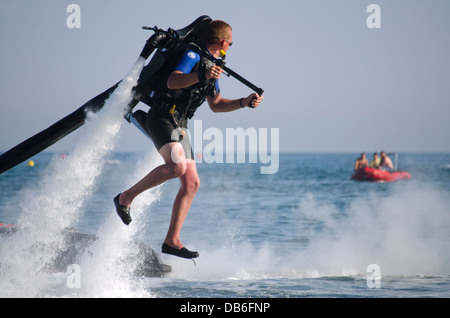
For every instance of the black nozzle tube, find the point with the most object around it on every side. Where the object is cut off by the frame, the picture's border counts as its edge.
(155, 41)
(147, 50)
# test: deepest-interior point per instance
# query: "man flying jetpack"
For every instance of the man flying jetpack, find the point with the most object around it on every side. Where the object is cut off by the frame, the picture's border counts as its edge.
(169, 46)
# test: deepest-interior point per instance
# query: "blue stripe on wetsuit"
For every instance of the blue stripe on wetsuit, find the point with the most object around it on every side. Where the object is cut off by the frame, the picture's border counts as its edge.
(187, 62)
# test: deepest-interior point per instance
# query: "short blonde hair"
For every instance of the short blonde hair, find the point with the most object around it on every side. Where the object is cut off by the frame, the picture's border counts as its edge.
(217, 31)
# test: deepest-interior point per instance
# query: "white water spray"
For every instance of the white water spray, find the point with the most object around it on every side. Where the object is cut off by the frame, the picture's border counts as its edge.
(109, 272)
(56, 203)
(405, 234)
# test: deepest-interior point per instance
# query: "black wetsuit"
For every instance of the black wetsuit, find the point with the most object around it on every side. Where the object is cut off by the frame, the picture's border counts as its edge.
(161, 124)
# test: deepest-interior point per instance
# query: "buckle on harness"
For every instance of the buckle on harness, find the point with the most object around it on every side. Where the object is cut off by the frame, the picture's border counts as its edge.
(172, 111)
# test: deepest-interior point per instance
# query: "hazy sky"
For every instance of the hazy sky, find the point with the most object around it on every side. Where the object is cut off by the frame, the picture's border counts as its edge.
(332, 84)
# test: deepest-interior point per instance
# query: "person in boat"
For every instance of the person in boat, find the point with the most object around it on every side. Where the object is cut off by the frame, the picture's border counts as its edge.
(193, 76)
(385, 161)
(361, 162)
(375, 162)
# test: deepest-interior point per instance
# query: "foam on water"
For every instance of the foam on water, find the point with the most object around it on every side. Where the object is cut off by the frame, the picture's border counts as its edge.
(405, 233)
(55, 204)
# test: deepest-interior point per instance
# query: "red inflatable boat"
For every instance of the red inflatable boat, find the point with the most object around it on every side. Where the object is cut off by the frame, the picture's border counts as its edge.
(371, 174)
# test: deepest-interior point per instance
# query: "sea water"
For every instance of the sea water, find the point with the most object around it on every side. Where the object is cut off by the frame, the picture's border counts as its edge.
(306, 231)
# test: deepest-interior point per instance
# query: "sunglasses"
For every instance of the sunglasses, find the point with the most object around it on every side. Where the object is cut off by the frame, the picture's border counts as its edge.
(230, 42)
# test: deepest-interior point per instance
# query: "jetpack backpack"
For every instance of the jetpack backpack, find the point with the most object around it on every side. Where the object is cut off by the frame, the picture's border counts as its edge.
(152, 84)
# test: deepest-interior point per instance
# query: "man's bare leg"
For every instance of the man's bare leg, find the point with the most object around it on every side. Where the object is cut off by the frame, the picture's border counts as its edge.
(174, 166)
(189, 184)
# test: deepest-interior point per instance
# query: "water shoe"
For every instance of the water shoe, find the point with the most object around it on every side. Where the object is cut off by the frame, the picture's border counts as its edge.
(122, 210)
(183, 252)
